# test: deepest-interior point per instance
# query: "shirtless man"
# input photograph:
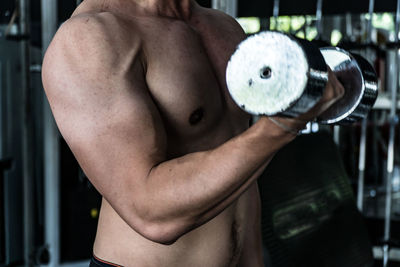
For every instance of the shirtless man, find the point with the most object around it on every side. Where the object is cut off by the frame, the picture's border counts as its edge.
(138, 91)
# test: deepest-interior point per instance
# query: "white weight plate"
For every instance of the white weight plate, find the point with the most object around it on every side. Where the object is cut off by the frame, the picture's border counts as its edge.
(289, 68)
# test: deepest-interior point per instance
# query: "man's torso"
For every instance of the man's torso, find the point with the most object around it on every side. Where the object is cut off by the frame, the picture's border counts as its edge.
(184, 70)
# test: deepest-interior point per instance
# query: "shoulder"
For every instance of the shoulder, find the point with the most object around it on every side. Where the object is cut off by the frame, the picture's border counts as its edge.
(219, 26)
(93, 37)
(220, 20)
(90, 44)
(104, 27)
(90, 58)
(96, 23)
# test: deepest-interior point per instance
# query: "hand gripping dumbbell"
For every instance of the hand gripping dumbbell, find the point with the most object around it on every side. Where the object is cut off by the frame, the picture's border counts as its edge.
(273, 73)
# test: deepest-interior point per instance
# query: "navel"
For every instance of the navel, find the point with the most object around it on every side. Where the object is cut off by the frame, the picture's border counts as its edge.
(196, 116)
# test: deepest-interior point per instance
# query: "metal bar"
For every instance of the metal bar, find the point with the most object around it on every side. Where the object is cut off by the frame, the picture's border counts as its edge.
(2, 106)
(390, 160)
(227, 6)
(2, 214)
(318, 17)
(275, 13)
(361, 164)
(369, 25)
(2, 193)
(27, 167)
(396, 38)
(349, 25)
(51, 149)
(363, 134)
(336, 134)
(8, 128)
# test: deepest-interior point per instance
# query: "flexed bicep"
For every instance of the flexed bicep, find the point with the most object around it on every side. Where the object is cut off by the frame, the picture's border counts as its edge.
(103, 108)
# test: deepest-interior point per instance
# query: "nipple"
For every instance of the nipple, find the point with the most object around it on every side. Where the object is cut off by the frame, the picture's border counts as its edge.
(196, 116)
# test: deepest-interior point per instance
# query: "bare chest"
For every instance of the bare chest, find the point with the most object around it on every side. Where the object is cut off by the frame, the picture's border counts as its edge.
(185, 73)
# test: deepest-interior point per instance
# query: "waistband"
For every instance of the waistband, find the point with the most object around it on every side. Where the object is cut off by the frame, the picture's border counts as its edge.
(97, 262)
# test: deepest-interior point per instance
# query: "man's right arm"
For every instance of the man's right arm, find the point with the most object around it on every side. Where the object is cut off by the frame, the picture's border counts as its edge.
(105, 113)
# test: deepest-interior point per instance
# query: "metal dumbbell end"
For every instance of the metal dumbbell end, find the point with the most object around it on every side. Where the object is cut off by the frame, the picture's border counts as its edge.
(272, 73)
(360, 82)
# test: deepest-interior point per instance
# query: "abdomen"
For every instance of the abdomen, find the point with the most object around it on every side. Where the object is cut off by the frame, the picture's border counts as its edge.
(218, 243)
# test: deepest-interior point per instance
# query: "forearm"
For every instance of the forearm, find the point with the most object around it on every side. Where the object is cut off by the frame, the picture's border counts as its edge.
(192, 189)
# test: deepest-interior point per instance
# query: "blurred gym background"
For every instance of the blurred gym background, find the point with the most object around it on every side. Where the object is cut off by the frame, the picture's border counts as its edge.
(331, 198)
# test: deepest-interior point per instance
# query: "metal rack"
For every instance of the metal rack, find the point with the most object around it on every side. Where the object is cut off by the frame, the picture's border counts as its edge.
(51, 149)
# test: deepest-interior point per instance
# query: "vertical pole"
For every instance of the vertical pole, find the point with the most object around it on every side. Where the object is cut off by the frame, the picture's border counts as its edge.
(51, 148)
(275, 13)
(227, 6)
(364, 128)
(27, 172)
(390, 160)
(2, 104)
(318, 18)
(349, 25)
(336, 134)
(361, 164)
(369, 25)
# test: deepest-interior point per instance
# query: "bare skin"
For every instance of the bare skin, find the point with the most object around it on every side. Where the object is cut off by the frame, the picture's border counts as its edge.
(138, 92)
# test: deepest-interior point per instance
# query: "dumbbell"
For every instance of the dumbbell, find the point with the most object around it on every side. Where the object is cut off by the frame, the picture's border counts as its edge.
(272, 73)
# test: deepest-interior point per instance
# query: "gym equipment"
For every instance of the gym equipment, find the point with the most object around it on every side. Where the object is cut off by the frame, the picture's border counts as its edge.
(272, 73)
(391, 146)
(309, 216)
(319, 41)
(275, 12)
(5, 164)
(359, 78)
(363, 134)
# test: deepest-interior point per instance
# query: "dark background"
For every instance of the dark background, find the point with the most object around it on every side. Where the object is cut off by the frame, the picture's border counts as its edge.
(247, 8)
(257, 8)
